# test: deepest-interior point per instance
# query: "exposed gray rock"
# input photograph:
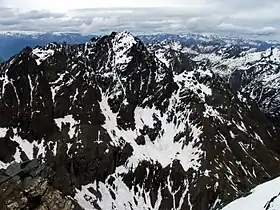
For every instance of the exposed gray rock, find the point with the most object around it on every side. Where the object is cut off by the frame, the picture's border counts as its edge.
(25, 191)
(13, 169)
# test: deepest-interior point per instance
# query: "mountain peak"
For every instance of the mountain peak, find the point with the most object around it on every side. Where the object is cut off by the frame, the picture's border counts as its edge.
(122, 44)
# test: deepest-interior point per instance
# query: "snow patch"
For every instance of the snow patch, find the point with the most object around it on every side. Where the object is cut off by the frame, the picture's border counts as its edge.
(164, 149)
(24, 146)
(42, 54)
(68, 119)
(27, 147)
(123, 195)
(3, 132)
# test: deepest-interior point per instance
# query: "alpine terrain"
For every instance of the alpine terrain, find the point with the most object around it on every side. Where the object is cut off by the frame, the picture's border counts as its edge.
(118, 124)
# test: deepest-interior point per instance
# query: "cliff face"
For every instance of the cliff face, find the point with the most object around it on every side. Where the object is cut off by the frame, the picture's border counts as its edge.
(120, 129)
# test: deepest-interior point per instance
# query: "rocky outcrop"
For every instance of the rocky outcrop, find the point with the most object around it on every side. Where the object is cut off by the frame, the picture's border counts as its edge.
(28, 186)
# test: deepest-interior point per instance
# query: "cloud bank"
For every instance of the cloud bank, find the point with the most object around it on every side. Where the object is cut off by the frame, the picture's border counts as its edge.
(253, 18)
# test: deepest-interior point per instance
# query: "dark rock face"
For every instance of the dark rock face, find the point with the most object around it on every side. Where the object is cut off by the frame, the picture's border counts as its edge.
(122, 130)
(28, 186)
(235, 81)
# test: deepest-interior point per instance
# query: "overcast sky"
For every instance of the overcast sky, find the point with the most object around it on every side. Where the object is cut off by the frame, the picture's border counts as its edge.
(250, 18)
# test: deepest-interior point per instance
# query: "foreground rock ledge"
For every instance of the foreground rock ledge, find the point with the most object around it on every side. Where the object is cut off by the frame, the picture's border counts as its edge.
(27, 186)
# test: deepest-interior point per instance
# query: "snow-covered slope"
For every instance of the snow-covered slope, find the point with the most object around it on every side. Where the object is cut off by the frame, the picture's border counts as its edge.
(255, 74)
(249, 71)
(264, 197)
(125, 129)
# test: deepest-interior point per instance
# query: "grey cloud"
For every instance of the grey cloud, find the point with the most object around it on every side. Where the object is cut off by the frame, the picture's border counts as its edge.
(6, 12)
(220, 17)
(33, 15)
(265, 31)
(8, 22)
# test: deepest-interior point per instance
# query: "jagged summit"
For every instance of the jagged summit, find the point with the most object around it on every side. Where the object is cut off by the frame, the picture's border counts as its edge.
(122, 129)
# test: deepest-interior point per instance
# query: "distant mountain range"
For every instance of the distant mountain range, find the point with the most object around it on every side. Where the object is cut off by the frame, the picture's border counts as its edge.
(13, 42)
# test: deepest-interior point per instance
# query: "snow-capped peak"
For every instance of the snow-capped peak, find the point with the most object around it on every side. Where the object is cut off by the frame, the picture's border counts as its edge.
(42, 54)
(122, 44)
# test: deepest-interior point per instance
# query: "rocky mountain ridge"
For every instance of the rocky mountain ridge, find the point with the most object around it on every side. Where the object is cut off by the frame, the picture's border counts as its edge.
(122, 128)
(247, 70)
(13, 42)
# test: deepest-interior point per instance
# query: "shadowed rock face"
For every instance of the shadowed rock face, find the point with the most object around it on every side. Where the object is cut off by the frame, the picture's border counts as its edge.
(122, 130)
